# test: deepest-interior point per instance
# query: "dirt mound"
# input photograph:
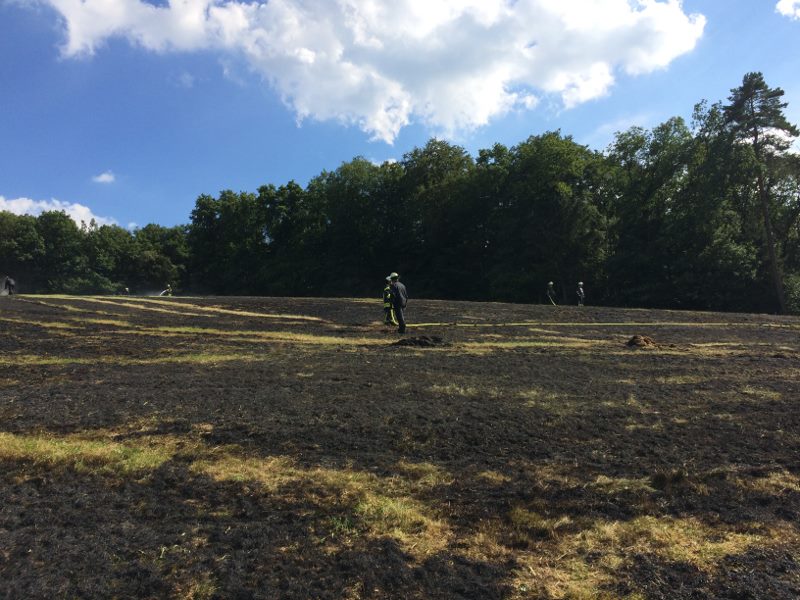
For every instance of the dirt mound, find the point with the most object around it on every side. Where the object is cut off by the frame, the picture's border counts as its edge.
(423, 341)
(641, 341)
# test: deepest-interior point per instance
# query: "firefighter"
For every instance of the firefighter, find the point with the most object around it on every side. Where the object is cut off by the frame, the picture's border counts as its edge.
(167, 292)
(388, 309)
(551, 293)
(580, 293)
(10, 286)
(399, 300)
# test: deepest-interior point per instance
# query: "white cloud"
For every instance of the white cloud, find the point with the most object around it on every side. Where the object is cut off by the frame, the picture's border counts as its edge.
(789, 8)
(380, 64)
(106, 177)
(77, 212)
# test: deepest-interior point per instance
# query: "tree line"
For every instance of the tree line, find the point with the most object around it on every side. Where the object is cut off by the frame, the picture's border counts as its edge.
(698, 215)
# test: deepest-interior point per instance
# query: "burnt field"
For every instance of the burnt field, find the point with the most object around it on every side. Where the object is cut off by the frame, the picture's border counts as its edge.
(288, 448)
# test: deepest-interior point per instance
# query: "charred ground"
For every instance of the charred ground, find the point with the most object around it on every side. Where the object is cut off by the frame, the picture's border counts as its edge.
(289, 448)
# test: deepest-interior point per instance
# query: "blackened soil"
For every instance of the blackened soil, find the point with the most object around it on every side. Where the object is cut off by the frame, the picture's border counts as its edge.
(519, 433)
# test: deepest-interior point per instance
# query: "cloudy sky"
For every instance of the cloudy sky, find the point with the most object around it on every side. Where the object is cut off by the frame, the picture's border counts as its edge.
(127, 110)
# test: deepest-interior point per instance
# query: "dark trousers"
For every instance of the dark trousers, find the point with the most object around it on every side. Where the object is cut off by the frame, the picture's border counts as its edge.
(401, 319)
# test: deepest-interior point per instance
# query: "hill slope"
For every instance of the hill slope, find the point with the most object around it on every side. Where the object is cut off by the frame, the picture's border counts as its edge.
(288, 448)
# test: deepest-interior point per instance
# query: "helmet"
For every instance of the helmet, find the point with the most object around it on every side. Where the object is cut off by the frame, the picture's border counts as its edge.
(393, 275)
(549, 283)
(580, 283)
(388, 279)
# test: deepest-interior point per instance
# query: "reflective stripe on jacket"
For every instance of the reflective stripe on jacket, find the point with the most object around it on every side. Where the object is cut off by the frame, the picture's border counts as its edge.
(387, 297)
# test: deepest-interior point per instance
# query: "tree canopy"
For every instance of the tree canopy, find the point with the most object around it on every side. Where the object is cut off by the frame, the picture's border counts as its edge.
(701, 215)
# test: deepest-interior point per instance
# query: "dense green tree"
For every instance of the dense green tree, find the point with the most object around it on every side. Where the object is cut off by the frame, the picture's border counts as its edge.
(294, 223)
(21, 247)
(202, 239)
(702, 216)
(63, 264)
(648, 170)
(50, 253)
(433, 210)
(755, 116)
(714, 261)
(548, 222)
(159, 257)
(110, 252)
(355, 230)
(228, 242)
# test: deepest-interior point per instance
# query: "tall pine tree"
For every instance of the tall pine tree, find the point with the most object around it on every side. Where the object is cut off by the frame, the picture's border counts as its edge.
(755, 116)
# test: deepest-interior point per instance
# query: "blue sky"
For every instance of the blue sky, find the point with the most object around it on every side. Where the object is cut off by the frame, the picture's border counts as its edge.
(126, 111)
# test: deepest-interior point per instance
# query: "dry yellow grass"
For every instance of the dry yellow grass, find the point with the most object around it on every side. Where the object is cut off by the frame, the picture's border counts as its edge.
(142, 303)
(141, 306)
(88, 454)
(761, 392)
(255, 335)
(198, 358)
(43, 324)
(383, 506)
(235, 312)
(468, 391)
(528, 343)
(586, 563)
(110, 322)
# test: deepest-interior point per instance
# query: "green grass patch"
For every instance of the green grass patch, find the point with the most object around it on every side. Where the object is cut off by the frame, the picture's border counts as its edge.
(85, 454)
(386, 514)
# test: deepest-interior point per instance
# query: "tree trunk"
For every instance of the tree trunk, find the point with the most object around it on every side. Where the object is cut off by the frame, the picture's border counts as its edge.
(777, 273)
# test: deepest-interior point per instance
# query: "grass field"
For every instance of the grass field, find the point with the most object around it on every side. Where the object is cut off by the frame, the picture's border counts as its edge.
(287, 448)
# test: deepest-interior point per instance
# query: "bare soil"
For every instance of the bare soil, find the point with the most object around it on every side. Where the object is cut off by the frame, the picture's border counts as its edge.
(290, 448)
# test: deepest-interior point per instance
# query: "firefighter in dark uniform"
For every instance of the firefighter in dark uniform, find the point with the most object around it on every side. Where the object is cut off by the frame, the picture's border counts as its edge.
(580, 293)
(388, 308)
(399, 300)
(10, 286)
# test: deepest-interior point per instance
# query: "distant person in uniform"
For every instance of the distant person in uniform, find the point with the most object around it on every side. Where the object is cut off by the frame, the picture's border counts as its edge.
(580, 293)
(551, 293)
(10, 286)
(388, 308)
(399, 301)
(167, 292)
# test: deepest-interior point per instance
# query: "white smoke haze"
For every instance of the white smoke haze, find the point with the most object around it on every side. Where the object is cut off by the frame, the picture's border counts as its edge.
(453, 65)
(789, 8)
(77, 212)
